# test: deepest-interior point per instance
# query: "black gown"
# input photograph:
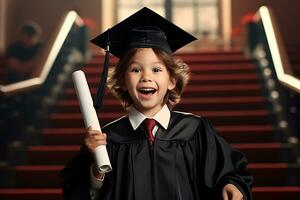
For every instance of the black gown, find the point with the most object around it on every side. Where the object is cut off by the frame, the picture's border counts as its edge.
(188, 161)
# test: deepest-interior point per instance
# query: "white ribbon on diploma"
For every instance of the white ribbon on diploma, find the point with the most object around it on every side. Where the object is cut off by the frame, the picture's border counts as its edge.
(90, 118)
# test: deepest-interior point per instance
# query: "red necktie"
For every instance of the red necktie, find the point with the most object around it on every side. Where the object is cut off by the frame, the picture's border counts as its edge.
(149, 125)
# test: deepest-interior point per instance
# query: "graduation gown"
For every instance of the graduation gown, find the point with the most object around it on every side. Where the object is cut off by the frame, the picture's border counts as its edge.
(187, 161)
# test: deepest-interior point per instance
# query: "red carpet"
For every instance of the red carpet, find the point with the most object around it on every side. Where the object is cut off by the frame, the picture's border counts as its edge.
(224, 87)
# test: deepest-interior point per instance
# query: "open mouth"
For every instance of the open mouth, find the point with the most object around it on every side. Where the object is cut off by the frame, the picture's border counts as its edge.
(147, 91)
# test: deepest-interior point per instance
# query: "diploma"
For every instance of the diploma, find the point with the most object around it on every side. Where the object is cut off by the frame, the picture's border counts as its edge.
(90, 118)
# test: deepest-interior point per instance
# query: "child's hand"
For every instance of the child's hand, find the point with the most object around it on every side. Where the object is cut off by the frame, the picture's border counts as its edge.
(230, 192)
(94, 139)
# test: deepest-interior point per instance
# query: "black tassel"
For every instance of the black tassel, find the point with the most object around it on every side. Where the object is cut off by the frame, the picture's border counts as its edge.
(102, 84)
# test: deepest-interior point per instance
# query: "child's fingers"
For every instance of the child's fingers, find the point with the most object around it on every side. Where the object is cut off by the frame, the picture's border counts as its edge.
(225, 195)
(99, 138)
(94, 138)
(237, 196)
(91, 131)
(230, 192)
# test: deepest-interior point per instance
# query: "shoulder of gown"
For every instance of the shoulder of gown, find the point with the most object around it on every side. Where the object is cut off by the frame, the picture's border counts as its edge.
(182, 127)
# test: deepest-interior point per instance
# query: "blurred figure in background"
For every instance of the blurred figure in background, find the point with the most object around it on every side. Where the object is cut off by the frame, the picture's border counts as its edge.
(20, 60)
(22, 55)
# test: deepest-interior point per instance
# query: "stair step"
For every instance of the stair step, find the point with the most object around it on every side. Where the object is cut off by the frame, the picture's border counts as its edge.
(259, 193)
(248, 133)
(276, 193)
(204, 103)
(50, 175)
(192, 57)
(51, 155)
(61, 154)
(250, 117)
(263, 173)
(203, 78)
(231, 90)
(232, 134)
(69, 93)
(95, 68)
(109, 115)
(267, 152)
(31, 194)
(202, 88)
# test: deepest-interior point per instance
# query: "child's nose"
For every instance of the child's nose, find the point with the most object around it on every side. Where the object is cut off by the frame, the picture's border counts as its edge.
(146, 76)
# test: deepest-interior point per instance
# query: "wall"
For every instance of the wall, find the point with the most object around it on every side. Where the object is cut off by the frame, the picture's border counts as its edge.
(48, 13)
(286, 12)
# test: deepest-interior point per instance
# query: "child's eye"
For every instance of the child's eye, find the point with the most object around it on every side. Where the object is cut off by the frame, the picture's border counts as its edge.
(157, 69)
(135, 69)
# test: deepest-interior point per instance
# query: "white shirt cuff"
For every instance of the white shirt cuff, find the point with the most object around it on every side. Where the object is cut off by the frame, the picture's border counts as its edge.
(96, 183)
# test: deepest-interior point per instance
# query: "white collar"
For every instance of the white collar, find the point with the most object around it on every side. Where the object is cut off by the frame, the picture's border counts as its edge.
(162, 117)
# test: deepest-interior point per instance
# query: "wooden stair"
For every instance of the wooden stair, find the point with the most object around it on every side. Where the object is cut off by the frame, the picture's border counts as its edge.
(224, 87)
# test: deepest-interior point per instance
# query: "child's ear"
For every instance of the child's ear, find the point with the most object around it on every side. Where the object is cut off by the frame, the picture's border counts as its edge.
(172, 83)
(123, 86)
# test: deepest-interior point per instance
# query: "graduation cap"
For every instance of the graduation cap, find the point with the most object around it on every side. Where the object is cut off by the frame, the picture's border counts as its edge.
(143, 29)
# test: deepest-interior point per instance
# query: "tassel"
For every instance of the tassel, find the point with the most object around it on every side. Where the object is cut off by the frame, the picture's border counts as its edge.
(102, 84)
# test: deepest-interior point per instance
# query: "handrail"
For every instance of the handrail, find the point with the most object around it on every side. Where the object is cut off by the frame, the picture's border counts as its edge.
(68, 20)
(279, 56)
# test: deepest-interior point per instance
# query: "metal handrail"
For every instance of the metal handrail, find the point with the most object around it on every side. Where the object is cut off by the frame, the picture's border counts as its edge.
(279, 56)
(51, 53)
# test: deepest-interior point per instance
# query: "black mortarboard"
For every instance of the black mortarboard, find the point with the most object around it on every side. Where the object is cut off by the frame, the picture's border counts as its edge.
(143, 29)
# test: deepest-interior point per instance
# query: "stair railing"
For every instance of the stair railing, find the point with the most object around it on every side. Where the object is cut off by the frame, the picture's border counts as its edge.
(48, 57)
(277, 49)
(281, 87)
(25, 106)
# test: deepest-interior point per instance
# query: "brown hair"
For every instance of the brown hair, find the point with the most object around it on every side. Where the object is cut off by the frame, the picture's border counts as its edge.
(176, 68)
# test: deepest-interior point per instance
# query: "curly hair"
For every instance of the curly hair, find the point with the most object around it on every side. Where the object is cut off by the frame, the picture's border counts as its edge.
(177, 69)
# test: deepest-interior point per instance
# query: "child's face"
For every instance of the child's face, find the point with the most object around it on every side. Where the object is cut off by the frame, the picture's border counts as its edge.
(147, 81)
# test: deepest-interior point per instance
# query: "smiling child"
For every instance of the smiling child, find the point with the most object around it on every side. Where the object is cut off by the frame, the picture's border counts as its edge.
(156, 153)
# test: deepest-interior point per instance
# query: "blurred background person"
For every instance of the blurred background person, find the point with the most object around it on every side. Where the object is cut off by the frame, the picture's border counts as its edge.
(22, 55)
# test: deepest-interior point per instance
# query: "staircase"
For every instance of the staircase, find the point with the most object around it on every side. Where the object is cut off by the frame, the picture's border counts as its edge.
(224, 87)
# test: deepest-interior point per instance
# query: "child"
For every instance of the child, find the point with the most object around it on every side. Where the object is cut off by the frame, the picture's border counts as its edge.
(171, 155)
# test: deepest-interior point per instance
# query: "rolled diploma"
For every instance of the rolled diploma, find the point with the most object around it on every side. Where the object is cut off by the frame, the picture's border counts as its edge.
(90, 118)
